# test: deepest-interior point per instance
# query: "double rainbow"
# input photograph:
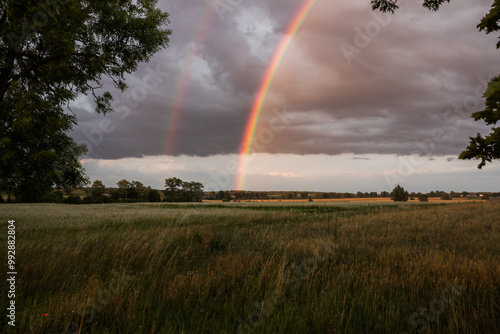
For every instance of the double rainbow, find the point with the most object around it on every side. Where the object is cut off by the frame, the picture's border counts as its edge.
(265, 86)
(207, 13)
(180, 91)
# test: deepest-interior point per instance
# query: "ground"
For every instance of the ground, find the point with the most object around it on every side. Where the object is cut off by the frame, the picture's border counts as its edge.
(256, 267)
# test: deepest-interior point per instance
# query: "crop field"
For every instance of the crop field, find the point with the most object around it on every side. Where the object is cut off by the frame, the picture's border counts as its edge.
(255, 267)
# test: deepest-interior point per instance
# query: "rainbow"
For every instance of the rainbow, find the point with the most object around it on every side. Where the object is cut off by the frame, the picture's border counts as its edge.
(265, 86)
(183, 79)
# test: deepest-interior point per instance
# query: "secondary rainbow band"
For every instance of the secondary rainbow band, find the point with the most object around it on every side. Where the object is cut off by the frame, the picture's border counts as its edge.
(183, 79)
(265, 85)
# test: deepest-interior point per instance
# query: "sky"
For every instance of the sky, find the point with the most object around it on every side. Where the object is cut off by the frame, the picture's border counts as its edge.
(356, 100)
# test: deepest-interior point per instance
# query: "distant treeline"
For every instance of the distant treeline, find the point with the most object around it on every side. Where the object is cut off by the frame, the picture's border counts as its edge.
(263, 195)
(177, 190)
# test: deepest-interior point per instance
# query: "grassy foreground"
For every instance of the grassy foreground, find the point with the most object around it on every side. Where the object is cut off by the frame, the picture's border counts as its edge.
(255, 268)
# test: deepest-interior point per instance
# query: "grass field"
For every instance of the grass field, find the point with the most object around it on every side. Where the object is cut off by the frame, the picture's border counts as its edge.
(259, 267)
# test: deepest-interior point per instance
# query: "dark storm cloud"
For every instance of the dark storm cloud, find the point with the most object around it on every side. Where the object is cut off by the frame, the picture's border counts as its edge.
(352, 82)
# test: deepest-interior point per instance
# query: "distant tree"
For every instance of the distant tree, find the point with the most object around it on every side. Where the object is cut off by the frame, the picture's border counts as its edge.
(173, 189)
(289, 195)
(384, 194)
(154, 196)
(423, 198)
(114, 194)
(177, 190)
(227, 196)
(97, 190)
(304, 195)
(220, 195)
(135, 189)
(445, 196)
(192, 191)
(359, 194)
(399, 194)
(373, 194)
(123, 186)
(73, 200)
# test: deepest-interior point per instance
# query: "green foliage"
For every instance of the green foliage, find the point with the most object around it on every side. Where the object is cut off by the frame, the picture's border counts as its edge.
(50, 52)
(485, 148)
(399, 194)
(98, 189)
(73, 200)
(227, 196)
(177, 190)
(35, 152)
(389, 6)
(445, 196)
(54, 197)
(489, 23)
(130, 190)
(423, 198)
(154, 196)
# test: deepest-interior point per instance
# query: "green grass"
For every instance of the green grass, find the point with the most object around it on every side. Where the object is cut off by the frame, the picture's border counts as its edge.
(275, 268)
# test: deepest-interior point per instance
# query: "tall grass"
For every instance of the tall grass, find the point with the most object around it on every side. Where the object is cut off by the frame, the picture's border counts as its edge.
(255, 268)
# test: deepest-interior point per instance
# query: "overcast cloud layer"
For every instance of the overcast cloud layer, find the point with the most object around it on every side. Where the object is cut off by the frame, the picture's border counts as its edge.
(353, 81)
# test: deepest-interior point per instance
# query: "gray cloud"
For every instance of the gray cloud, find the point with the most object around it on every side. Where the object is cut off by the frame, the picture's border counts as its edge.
(397, 88)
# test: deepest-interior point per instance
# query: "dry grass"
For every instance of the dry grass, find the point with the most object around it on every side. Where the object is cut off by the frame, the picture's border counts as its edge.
(257, 267)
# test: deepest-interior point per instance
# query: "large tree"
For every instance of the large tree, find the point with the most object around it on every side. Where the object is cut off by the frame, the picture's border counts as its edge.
(50, 52)
(485, 148)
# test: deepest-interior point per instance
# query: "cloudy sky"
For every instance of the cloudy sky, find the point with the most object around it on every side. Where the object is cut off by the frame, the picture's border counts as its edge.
(360, 101)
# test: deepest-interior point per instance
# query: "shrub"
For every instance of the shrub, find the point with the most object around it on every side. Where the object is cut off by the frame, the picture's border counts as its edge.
(73, 200)
(445, 196)
(423, 198)
(88, 200)
(154, 196)
(399, 194)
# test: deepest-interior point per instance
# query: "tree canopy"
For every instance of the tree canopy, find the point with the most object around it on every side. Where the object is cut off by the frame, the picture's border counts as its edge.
(50, 52)
(399, 194)
(177, 190)
(484, 148)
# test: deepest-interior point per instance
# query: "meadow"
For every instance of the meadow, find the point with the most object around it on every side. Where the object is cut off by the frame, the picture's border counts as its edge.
(255, 267)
